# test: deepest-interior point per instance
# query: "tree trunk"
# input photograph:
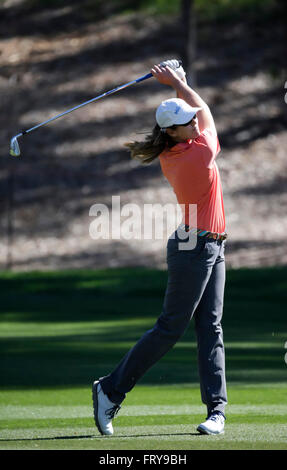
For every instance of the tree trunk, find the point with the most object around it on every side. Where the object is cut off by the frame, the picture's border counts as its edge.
(188, 26)
(10, 213)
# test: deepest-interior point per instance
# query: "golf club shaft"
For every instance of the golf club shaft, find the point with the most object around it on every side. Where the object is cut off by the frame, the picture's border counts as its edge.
(114, 90)
(14, 146)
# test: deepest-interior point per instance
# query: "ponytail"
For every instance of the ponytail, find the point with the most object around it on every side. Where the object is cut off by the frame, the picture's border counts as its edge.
(151, 147)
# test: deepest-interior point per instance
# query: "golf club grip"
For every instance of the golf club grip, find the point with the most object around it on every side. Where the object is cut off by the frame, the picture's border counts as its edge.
(149, 75)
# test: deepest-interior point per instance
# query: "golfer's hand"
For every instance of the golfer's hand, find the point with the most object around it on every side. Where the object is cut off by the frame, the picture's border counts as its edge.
(178, 69)
(165, 75)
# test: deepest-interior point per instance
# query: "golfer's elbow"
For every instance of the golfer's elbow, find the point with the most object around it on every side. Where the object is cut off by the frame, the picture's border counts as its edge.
(205, 119)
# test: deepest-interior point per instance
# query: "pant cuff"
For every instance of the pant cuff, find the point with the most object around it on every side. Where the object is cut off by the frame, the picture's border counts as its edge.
(108, 389)
(216, 409)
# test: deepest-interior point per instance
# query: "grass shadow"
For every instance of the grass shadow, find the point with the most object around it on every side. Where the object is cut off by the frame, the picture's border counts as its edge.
(62, 328)
(99, 437)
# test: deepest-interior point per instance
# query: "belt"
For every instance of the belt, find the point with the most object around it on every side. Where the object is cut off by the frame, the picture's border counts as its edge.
(205, 233)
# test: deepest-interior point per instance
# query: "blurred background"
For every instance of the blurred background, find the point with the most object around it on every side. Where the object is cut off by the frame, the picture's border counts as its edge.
(85, 302)
(56, 54)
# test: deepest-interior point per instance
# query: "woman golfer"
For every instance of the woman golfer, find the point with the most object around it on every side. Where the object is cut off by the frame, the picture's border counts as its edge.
(185, 141)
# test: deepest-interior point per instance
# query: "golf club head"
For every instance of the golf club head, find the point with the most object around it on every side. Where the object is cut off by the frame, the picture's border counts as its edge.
(14, 147)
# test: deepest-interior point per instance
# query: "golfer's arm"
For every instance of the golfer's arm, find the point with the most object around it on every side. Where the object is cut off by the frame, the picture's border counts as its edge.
(205, 118)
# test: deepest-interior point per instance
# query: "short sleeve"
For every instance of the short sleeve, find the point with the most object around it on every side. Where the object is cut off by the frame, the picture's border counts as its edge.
(209, 145)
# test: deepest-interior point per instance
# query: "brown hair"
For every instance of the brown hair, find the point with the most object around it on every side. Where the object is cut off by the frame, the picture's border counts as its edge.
(151, 147)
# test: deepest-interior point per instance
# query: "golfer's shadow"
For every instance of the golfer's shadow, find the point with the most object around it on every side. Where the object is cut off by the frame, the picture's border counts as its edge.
(92, 436)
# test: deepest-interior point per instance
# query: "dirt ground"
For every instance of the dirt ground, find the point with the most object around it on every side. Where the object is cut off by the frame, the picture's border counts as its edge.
(52, 60)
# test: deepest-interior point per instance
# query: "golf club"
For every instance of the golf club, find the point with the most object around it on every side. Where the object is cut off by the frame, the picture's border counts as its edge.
(14, 145)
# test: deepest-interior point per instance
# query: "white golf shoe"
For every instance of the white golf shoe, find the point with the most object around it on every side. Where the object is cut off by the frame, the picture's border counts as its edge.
(104, 410)
(214, 424)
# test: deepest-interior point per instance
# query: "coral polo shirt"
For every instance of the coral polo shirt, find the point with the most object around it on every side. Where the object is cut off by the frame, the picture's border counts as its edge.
(191, 170)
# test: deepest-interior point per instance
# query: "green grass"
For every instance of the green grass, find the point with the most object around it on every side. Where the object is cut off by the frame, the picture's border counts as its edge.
(209, 9)
(205, 9)
(163, 417)
(61, 330)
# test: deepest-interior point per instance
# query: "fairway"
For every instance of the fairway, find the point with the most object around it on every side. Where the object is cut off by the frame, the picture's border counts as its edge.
(32, 425)
(61, 330)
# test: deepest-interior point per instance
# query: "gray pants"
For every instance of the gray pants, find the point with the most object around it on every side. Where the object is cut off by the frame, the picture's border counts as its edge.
(195, 288)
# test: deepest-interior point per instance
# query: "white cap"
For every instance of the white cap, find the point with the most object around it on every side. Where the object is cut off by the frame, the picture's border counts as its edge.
(174, 111)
